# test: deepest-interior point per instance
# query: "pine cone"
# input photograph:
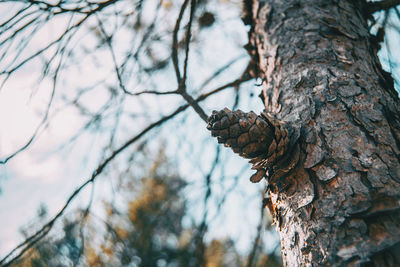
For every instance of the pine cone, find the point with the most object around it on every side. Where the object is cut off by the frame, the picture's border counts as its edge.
(256, 137)
(247, 134)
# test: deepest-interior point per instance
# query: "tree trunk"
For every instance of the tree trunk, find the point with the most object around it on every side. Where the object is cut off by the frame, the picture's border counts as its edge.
(341, 204)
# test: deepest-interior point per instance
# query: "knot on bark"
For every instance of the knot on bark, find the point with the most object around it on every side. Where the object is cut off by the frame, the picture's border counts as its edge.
(270, 145)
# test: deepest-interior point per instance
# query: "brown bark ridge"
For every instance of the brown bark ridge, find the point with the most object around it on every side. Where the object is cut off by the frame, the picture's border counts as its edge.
(340, 203)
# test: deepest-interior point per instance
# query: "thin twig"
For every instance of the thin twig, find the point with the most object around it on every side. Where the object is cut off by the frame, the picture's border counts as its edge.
(39, 52)
(108, 40)
(174, 55)
(74, 27)
(44, 119)
(15, 16)
(188, 37)
(100, 6)
(174, 92)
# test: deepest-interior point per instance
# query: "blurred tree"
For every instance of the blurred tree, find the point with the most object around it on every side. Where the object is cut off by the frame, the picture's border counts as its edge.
(63, 249)
(150, 232)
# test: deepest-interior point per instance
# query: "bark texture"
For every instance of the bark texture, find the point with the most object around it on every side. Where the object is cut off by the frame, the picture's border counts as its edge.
(321, 75)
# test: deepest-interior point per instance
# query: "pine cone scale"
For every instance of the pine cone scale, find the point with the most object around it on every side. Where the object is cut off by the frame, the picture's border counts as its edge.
(234, 130)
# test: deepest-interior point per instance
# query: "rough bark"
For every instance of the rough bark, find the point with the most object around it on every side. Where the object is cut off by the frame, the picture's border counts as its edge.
(320, 73)
(340, 206)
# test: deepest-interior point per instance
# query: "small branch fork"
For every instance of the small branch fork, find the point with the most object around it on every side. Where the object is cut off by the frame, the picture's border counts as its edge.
(181, 79)
(175, 59)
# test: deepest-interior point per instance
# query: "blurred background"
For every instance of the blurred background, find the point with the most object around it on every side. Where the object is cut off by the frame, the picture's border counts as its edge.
(103, 162)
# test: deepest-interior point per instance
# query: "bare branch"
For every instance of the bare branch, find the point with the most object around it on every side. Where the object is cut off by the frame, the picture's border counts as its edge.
(33, 239)
(156, 92)
(108, 40)
(67, 34)
(381, 5)
(195, 105)
(15, 16)
(61, 37)
(46, 115)
(145, 38)
(182, 80)
(188, 36)
(98, 7)
(174, 55)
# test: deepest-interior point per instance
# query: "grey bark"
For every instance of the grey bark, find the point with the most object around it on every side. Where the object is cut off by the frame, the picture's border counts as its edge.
(321, 75)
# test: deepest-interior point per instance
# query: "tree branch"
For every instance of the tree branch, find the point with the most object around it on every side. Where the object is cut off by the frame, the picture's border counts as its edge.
(188, 37)
(174, 55)
(381, 5)
(33, 239)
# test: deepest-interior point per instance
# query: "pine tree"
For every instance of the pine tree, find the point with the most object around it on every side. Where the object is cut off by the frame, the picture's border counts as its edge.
(339, 205)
